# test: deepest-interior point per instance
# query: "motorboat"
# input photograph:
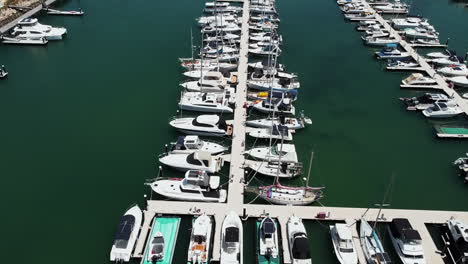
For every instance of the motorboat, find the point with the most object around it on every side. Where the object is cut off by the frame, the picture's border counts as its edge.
(196, 74)
(282, 106)
(408, 22)
(461, 81)
(207, 102)
(418, 79)
(210, 82)
(268, 242)
(278, 169)
(406, 241)
(343, 244)
(223, 57)
(458, 238)
(126, 235)
(190, 143)
(266, 37)
(263, 26)
(426, 42)
(261, 44)
(218, 49)
(344, 2)
(354, 9)
(420, 33)
(376, 31)
(392, 8)
(275, 132)
(265, 17)
(3, 72)
(226, 27)
(381, 41)
(292, 123)
(402, 65)
(266, 67)
(391, 52)
(31, 27)
(222, 37)
(196, 186)
(156, 254)
(441, 54)
(360, 17)
(56, 12)
(372, 247)
(283, 152)
(161, 242)
(453, 70)
(367, 25)
(203, 125)
(453, 60)
(276, 84)
(219, 19)
(21, 40)
(284, 195)
(266, 50)
(299, 246)
(198, 160)
(424, 101)
(263, 10)
(223, 9)
(231, 240)
(200, 240)
(462, 163)
(442, 110)
(264, 95)
(216, 4)
(197, 64)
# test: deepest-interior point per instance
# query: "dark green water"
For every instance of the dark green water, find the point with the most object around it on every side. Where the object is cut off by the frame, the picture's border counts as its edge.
(82, 121)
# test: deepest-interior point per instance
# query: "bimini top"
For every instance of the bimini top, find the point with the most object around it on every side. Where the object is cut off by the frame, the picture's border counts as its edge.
(232, 234)
(122, 235)
(402, 229)
(300, 247)
(268, 227)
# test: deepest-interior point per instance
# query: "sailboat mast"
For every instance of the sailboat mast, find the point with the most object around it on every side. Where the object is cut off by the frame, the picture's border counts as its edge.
(381, 205)
(310, 167)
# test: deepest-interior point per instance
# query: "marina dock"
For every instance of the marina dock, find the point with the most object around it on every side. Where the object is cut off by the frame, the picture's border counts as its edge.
(27, 14)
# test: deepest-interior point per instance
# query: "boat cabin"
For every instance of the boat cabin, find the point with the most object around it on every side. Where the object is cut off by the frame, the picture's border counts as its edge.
(201, 179)
(200, 158)
(28, 22)
(187, 143)
(345, 238)
(231, 238)
(210, 121)
(402, 229)
(268, 228)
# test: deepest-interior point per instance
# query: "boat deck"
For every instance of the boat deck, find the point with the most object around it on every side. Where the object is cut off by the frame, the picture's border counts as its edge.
(29, 13)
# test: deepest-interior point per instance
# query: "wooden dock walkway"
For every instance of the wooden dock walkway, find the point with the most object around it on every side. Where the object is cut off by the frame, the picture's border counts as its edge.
(29, 13)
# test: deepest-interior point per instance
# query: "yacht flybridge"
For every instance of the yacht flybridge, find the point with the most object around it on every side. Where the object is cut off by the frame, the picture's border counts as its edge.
(30, 27)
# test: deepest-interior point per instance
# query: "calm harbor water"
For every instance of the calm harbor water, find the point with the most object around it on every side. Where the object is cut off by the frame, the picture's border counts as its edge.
(84, 119)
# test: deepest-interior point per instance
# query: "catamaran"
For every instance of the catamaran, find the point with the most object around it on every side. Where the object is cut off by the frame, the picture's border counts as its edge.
(268, 243)
(298, 241)
(191, 143)
(126, 235)
(200, 240)
(198, 160)
(343, 244)
(231, 240)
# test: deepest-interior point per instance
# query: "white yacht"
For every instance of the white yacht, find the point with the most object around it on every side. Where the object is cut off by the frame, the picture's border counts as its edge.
(222, 37)
(454, 70)
(196, 74)
(408, 22)
(198, 160)
(196, 186)
(207, 102)
(441, 54)
(292, 123)
(265, 37)
(277, 84)
(367, 25)
(275, 132)
(299, 247)
(189, 144)
(391, 52)
(343, 2)
(458, 234)
(418, 79)
(218, 49)
(200, 240)
(231, 240)
(354, 9)
(223, 9)
(420, 33)
(424, 101)
(284, 195)
(372, 247)
(268, 243)
(381, 41)
(126, 235)
(275, 168)
(203, 125)
(265, 51)
(442, 110)
(285, 152)
(30, 27)
(406, 241)
(210, 82)
(206, 64)
(226, 27)
(223, 57)
(21, 40)
(279, 106)
(392, 8)
(403, 65)
(453, 61)
(219, 19)
(216, 4)
(461, 81)
(360, 17)
(343, 244)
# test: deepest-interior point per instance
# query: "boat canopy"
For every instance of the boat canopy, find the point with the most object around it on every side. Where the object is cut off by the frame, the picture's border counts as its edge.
(232, 234)
(402, 229)
(268, 227)
(124, 231)
(300, 248)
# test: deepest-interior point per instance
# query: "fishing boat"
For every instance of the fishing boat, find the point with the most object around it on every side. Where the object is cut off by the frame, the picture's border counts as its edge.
(461, 81)
(424, 101)
(191, 143)
(284, 152)
(196, 186)
(457, 232)
(56, 12)
(392, 8)
(275, 132)
(31, 27)
(21, 40)
(268, 243)
(279, 169)
(198, 160)
(343, 244)
(200, 240)
(372, 247)
(453, 70)
(207, 102)
(441, 54)
(298, 241)
(231, 240)
(406, 241)
(203, 125)
(3, 72)
(391, 52)
(126, 235)
(442, 110)
(161, 241)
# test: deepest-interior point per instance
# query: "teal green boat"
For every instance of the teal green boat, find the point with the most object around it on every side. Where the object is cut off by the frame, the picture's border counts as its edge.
(451, 131)
(267, 241)
(161, 241)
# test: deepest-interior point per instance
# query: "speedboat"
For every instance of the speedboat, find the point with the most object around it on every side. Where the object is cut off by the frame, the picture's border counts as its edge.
(343, 244)
(203, 125)
(283, 152)
(391, 52)
(51, 11)
(420, 33)
(231, 240)
(275, 132)
(126, 235)
(200, 240)
(268, 243)
(458, 235)
(418, 79)
(406, 241)
(453, 70)
(280, 106)
(31, 27)
(206, 102)
(461, 81)
(442, 110)
(424, 101)
(381, 41)
(392, 8)
(3, 72)
(453, 60)
(21, 40)
(354, 9)
(156, 254)
(298, 241)
(402, 65)
(443, 54)
(291, 122)
(372, 247)
(189, 144)
(275, 168)
(196, 186)
(198, 160)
